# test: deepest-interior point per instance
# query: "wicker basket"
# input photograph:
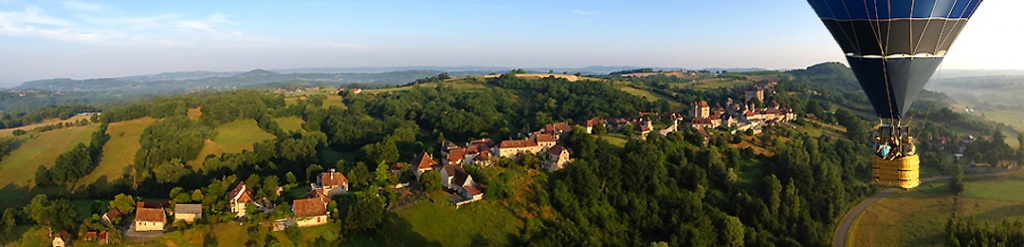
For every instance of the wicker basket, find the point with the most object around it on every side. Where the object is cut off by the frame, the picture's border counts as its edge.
(903, 172)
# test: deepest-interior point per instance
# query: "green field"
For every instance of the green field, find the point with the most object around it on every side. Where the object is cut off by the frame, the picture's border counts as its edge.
(918, 217)
(616, 139)
(240, 135)
(290, 123)
(38, 149)
(118, 152)
(10, 131)
(1006, 190)
(231, 137)
(233, 234)
(19, 168)
(439, 223)
(719, 83)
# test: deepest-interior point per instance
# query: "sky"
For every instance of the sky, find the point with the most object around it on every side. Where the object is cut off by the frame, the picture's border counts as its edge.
(42, 39)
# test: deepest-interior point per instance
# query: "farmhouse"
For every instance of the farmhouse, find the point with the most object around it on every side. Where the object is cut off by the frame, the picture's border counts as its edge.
(62, 239)
(558, 157)
(423, 163)
(309, 212)
(239, 198)
(512, 148)
(150, 217)
(332, 182)
(589, 124)
(188, 212)
(111, 217)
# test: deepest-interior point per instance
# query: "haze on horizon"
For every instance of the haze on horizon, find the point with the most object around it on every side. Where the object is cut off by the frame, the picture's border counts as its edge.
(92, 39)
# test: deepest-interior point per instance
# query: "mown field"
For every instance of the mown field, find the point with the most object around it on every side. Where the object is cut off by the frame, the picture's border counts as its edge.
(437, 222)
(918, 217)
(231, 137)
(10, 131)
(17, 170)
(119, 151)
(290, 123)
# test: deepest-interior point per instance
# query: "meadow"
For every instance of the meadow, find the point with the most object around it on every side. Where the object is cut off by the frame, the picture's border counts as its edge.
(918, 217)
(36, 149)
(118, 152)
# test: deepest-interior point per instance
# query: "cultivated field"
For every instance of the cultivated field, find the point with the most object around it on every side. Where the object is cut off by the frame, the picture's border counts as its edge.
(119, 151)
(918, 217)
(10, 131)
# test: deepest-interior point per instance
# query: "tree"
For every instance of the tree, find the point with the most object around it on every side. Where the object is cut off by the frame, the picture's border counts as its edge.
(629, 130)
(956, 183)
(366, 213)
(359, 175)
(382, 174)
(731, 231)
(312, 171)
(197, 196)
(123, 203)
(290, 178)
(39, 209)
(600, 129)
(171, 171)
(7, 223)
(430, 181)
(387, 151)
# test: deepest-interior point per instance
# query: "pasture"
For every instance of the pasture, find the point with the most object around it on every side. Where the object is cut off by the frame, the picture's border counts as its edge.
(119, 152)
(918, 217)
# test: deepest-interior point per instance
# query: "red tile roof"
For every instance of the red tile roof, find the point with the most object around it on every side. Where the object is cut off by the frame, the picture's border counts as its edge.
(592, 122)
(423, 161)
(518, 143)
(484, 141)
(556, 150)
(545, 138)
(309, 207)
(701, 104)
(241, 192)
(150, 215)
(473, 189)
(333, 179)
(456, 155)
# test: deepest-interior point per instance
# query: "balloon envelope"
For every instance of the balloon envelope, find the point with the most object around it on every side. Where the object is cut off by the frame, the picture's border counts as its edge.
(894, 46)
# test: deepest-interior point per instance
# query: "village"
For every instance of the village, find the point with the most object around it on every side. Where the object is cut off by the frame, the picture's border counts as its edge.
(149, 219)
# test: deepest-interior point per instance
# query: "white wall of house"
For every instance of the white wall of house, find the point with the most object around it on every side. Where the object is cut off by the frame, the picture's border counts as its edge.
(144, 226)
(186, 217)
(311, 221)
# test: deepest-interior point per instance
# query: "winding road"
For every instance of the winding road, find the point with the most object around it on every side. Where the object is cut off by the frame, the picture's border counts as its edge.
(842, 232)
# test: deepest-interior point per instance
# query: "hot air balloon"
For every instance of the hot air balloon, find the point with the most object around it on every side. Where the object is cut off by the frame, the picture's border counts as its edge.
(894, 47)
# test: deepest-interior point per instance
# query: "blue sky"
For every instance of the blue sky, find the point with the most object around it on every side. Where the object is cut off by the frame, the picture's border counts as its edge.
(87, 39)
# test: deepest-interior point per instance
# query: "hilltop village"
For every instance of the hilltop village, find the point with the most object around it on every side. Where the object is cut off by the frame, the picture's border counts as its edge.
(142, 219)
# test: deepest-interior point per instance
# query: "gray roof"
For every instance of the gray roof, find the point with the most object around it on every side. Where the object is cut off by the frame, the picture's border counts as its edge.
(188, 209)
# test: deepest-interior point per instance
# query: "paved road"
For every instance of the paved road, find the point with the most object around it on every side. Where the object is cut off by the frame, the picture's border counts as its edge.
(842, 232)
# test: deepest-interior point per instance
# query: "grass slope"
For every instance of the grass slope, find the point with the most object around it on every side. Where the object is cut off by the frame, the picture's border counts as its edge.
(233, 137)
(240, 135)
(290, 123)
(10, 131)
(19, 168)
(918, 217)
(119, 151)
(17, 171)
(437, 222)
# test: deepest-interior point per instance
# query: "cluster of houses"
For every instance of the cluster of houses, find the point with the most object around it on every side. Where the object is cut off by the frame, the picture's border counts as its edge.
(741, 115)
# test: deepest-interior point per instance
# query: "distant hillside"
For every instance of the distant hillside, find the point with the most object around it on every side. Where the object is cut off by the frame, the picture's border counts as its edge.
(170, 83)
